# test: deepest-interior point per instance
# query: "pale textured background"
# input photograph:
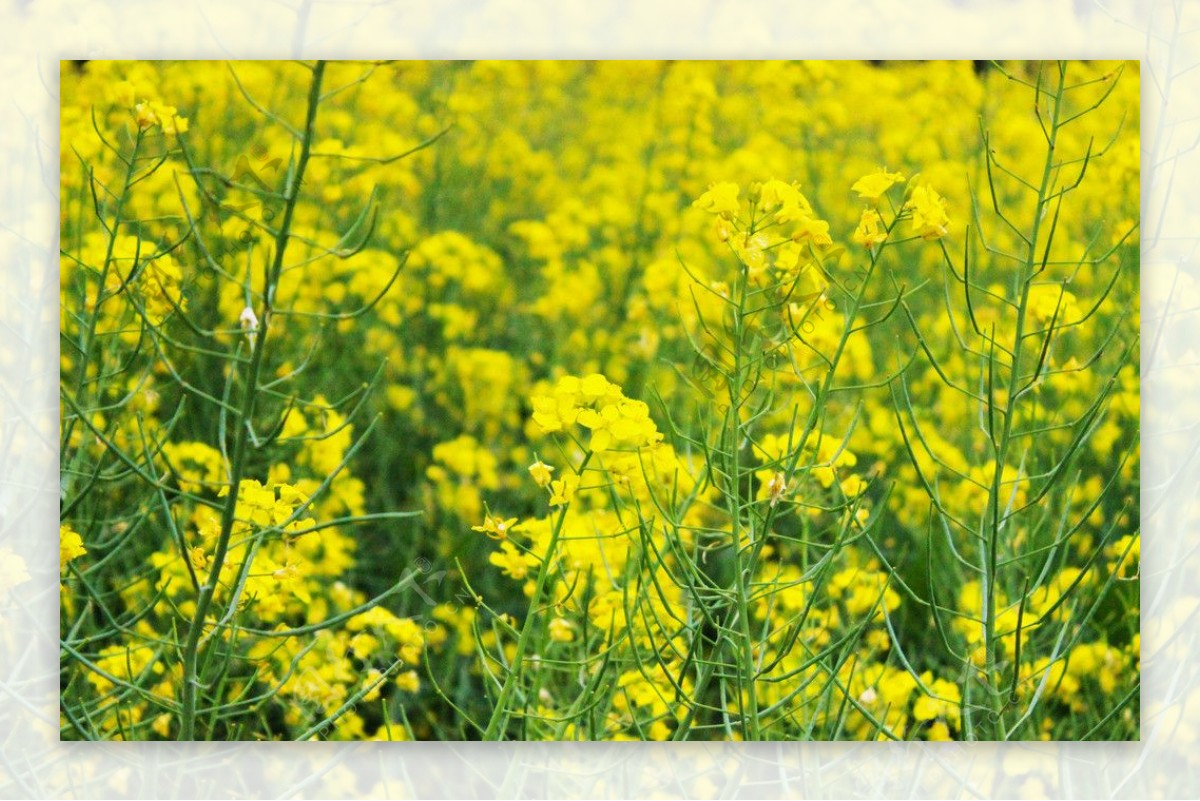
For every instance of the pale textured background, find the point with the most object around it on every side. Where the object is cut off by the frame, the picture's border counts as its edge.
(1164, 35)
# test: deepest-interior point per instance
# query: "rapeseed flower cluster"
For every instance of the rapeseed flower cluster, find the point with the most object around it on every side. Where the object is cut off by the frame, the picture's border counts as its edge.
(618, 400)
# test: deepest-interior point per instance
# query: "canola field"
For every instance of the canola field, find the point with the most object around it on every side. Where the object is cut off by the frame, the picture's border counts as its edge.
(599, 401)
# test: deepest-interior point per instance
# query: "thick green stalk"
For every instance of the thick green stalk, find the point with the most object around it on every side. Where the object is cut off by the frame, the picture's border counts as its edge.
(204, 600)
(744, 572)
(991, 561)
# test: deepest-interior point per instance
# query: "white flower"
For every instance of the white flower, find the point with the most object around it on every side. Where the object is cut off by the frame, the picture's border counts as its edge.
(249, 323)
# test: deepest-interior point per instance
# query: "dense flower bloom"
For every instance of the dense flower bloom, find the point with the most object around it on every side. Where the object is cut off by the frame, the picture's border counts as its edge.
(755, 431)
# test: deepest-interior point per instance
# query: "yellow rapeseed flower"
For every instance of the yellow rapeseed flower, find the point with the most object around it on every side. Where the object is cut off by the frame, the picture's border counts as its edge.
(561, 630)
(70, 546)
(721, 199)
(495, 527)
(541, 473)
(563, 490)
(512, 562)
(928, 208)
(870, 231)
(409, 681)
(871, 187)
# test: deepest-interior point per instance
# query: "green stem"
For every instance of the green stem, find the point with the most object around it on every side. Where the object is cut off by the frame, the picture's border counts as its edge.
(88, 339)
(743, 569)
(500, 713)
(191, 647)
(990, 565)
